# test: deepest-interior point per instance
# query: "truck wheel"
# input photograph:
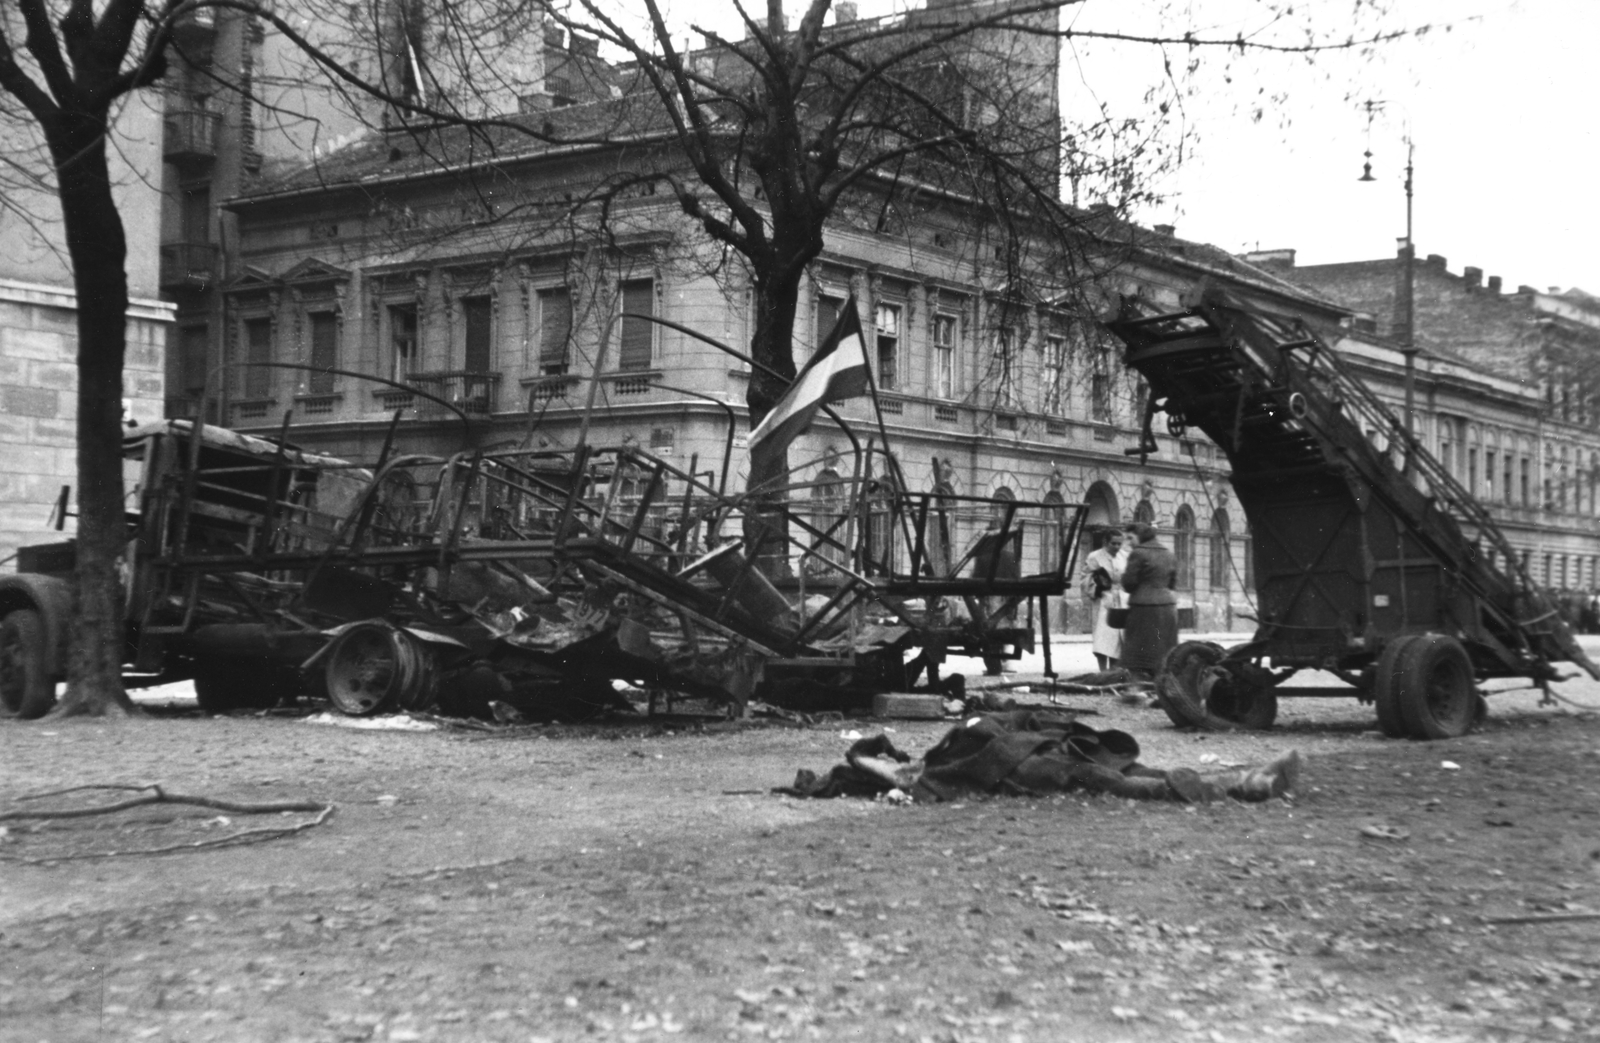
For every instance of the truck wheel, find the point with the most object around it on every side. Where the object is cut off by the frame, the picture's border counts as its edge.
(1437, 697)
(25, 690)
(1386, 688)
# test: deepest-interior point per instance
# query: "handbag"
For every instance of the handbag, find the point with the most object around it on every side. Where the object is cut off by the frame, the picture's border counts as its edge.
(1116, 618)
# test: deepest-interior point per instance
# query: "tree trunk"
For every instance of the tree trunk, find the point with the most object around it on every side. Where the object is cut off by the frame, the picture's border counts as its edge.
(771, 345)
(98, 248)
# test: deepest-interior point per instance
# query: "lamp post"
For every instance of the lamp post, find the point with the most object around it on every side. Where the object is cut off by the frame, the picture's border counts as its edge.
(1406, 296)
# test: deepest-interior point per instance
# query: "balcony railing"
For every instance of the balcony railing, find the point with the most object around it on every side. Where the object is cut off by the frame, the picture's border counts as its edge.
(190, 134)
(187, 266)
(476, 394)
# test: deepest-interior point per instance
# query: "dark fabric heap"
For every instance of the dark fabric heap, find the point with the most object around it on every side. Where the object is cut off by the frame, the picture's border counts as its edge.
(1027, 752)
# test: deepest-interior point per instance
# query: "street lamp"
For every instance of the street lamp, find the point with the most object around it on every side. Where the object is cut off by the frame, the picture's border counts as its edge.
(1405, 305)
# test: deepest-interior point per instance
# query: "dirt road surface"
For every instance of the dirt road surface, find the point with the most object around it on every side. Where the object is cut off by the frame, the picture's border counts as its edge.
(642, 883)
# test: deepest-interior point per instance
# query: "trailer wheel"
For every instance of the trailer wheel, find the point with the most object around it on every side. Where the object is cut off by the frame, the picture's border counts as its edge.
(25, 690)
(1437, 697)
(372, 665)
(1386, 688)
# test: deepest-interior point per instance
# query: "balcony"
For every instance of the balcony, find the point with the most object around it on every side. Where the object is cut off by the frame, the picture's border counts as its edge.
(190, 134)
(187, 266)
(475, 394)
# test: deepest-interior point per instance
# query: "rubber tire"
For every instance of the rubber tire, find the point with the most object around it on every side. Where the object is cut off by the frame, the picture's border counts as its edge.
(1436, 693)
(25, 689)
(1182, 666)
(1257, 716)
(1386, 690)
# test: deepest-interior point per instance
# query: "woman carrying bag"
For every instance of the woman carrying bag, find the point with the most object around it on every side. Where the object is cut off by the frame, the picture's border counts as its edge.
(1102, 586)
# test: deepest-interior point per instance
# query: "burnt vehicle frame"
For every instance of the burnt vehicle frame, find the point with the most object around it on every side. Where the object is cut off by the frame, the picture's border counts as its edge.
(532, 577)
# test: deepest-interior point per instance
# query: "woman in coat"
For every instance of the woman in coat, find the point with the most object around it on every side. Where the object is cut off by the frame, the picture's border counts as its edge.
(1152, 628)
(1102, 586)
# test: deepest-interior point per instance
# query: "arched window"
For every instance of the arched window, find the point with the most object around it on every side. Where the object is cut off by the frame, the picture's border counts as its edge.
(1183, 547)
(1249, 560)
(1103, 507)
(940, 535)
(1052, 530)
(881, 543)
(827, 509)
(1220, 561)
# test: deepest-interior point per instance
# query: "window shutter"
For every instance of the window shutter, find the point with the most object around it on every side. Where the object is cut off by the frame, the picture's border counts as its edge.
(638, 297)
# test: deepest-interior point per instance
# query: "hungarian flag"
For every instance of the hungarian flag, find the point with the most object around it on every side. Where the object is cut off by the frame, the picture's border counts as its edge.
(838, 370)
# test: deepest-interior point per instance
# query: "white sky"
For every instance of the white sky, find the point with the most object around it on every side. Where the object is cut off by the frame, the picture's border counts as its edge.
(1505, 153)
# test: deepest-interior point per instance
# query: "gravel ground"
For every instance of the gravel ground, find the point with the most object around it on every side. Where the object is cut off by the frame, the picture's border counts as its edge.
(641, 882)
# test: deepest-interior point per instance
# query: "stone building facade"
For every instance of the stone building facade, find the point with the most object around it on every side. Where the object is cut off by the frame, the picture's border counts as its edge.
(39, 334)
(380, 268)
(1507, 393)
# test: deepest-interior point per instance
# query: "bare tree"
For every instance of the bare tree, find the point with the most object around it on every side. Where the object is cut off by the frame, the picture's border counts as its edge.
(762, 141)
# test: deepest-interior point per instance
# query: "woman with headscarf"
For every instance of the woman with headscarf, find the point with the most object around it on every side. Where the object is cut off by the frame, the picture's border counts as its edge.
(1152, 627)
(1102, 586)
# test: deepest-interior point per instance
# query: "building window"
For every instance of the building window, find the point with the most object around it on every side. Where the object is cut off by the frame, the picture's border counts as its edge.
(827, 512)
(555, 331)
(257, 350)
(192, 360)
(324, 352)
(1220, 561)
(1527, 481)
(1005, 351)
(1100, 396)
(1249, 560)
(1549, 567)
(1472, 470)
(944, 356)
(1183, 547)
(1052, 532)
(477, 321)
(888, 323)
(828, 309)
(1510, 477)
(638, 334)
(1488, 475)
(402, 341)
(1055, 375)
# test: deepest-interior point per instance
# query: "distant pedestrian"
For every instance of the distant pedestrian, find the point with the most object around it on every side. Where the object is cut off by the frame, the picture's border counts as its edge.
(1102, 587)
(1152, 627)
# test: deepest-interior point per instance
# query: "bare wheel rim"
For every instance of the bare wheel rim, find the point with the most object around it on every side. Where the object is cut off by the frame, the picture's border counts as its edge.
(361, 671)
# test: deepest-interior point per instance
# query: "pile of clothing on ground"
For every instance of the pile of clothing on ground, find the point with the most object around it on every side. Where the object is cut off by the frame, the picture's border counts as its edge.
(1031, 753)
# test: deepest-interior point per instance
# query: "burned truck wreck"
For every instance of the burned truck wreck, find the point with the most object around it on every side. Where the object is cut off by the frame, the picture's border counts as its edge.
(534, 578)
